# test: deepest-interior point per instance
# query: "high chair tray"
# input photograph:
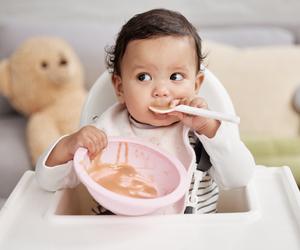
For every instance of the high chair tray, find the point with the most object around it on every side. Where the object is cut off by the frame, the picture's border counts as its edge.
(265, 215)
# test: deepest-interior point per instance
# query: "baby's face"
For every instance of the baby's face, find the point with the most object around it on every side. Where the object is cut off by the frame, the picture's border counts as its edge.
(154, 72)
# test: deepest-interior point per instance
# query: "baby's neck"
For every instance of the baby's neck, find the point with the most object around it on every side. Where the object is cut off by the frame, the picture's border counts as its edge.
(139, 124)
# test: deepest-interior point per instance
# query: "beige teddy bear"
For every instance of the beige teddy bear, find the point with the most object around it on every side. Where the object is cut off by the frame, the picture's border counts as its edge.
(43, 79)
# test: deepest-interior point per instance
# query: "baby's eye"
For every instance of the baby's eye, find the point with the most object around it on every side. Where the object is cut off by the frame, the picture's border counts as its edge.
(176, 77)
(144, 77)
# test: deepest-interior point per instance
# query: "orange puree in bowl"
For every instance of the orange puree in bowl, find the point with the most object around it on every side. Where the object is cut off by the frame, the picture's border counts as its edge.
(121, 178)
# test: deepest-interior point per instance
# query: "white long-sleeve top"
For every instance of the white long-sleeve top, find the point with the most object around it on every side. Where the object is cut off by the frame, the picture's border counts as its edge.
(232, 163)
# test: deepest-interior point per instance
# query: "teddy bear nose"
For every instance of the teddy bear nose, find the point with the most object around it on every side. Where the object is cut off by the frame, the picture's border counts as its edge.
(44, 64)
(63, 62)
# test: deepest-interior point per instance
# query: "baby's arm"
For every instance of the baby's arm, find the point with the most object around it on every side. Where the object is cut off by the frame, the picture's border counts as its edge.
(233, 164)
(54, 169)
(88, 137)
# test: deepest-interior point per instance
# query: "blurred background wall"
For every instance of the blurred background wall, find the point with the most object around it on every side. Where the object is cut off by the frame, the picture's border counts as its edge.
(205, 13)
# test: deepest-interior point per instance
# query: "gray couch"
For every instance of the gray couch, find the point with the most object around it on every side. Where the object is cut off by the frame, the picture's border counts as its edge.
(89, 40)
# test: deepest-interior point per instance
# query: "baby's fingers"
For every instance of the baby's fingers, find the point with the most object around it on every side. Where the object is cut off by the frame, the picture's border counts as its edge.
(198, 103)
(179, 115)
(94, 147)
(101, 141)
(91, 147)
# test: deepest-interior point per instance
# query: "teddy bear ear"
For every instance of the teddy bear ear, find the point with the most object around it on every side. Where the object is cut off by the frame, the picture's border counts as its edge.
(5, 85)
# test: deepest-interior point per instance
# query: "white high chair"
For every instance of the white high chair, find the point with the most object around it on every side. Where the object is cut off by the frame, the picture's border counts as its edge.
(101, 96)
(265, 215)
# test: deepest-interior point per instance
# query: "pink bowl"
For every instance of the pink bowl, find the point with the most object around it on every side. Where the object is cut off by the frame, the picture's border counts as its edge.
(168, 174)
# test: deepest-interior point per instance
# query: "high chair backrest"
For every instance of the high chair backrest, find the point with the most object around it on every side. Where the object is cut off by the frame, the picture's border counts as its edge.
(101, 96)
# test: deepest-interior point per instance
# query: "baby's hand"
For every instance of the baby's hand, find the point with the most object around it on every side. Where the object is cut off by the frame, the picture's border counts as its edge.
(201, 125)
(89, 137)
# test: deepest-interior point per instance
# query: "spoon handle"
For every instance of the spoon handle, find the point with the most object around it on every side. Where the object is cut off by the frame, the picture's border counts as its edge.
(207, 113)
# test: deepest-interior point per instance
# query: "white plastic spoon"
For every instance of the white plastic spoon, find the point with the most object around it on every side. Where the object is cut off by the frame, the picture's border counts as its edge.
(199, 112)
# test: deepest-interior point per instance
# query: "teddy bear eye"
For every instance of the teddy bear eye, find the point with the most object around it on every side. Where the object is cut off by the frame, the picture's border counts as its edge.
(63, 62)
(44, 64)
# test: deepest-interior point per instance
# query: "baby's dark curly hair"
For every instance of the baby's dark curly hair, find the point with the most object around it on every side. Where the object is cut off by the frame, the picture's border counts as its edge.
(153, 23)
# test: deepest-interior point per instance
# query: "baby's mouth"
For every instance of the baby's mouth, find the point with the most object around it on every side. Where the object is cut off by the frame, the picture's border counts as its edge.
(161, 103)
(165, 104)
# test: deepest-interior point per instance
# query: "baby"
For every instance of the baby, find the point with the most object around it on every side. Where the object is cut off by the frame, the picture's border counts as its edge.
(156, 61)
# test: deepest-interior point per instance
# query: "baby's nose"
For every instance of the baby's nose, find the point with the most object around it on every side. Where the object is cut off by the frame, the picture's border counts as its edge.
(161, 92)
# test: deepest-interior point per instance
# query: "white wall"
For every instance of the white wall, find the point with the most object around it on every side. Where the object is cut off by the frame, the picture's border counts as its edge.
(200, 12)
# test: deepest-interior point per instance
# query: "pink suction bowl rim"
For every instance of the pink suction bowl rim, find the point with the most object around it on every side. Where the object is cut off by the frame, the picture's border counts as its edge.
(174, 196)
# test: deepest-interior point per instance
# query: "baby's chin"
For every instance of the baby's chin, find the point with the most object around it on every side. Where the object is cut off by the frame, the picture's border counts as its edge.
(163, 121)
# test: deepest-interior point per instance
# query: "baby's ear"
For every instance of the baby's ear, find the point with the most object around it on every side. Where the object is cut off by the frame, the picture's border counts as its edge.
(118, 86)
(5, 83)
(199, 80)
